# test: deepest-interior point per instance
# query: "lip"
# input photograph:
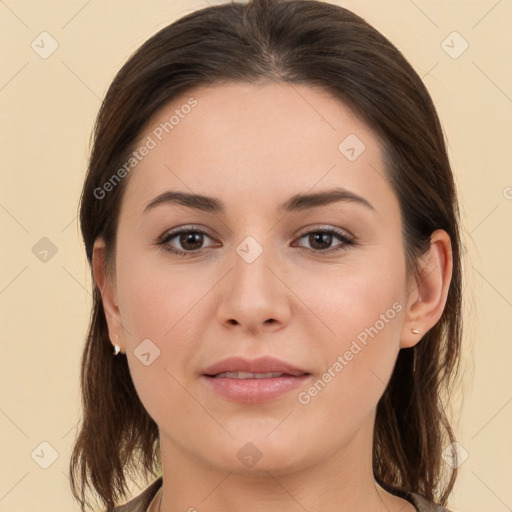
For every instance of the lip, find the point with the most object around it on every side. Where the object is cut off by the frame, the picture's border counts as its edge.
(253, 390)
(264, 364)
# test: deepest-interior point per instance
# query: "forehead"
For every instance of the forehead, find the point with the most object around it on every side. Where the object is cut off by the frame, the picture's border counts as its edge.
(260, 141)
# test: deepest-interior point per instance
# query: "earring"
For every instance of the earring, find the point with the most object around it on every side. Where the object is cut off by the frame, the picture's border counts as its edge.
(117, 348)
(415, 331)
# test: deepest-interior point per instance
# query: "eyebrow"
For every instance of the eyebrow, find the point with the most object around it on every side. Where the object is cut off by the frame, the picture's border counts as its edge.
(299, 202)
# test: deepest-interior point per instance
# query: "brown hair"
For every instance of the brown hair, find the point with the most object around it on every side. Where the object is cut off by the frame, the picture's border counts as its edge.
(296, 41)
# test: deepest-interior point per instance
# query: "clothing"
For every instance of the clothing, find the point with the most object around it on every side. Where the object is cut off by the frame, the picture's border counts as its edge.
(141, 502)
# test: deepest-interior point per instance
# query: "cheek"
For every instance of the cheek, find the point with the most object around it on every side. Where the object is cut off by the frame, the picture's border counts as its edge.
(158, 342)
(162, 304)
(156, 297)
(363, 310)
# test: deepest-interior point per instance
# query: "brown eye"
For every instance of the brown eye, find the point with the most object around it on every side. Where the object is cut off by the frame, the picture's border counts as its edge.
(184, 241)
(320, 240)
(191, 241)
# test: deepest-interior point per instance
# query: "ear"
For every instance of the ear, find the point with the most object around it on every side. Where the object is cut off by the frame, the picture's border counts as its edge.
(427, 296)
(106, 286)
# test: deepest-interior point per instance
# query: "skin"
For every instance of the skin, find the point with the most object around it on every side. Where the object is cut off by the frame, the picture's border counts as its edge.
(253, 147)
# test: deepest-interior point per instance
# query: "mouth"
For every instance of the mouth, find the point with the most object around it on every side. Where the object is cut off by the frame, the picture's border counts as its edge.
(250, 375)
(253, 381)
(238, 367)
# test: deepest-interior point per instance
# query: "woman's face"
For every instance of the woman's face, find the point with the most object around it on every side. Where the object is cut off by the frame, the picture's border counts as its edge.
(257, 283)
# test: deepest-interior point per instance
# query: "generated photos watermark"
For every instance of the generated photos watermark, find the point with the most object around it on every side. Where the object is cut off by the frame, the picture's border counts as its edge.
(357, 345)
(150, 143)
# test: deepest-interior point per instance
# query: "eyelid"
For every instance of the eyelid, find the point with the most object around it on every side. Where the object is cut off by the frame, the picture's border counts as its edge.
(203, 229)
(195, 228)
(346, 238)
(327, 227)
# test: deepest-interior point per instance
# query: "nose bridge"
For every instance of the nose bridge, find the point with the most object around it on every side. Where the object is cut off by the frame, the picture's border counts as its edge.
(252, 294)
(251, 272)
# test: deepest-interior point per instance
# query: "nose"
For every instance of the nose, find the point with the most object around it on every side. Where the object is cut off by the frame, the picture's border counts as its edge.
(253, 296)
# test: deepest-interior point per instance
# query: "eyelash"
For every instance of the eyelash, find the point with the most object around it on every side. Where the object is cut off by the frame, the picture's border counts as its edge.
(166, 238)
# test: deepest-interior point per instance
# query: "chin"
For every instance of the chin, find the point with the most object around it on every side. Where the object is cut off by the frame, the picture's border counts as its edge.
(256, 455)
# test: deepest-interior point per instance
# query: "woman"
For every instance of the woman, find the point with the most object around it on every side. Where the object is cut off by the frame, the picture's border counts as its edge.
(272, 226)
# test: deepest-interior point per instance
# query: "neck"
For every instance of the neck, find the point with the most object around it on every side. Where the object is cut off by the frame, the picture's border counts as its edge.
(341, 482)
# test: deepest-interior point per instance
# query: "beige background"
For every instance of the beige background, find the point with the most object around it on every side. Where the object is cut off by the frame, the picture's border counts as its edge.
(48, 109)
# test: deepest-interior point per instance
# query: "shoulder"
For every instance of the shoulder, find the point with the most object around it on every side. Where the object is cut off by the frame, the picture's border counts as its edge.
(141, 502)
(422, 504)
